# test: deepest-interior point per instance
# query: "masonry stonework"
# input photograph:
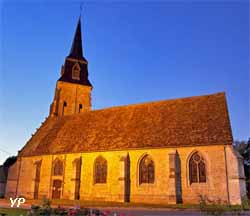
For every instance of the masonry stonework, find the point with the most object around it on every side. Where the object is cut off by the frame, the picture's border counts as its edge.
(161, 191)
(70, 99)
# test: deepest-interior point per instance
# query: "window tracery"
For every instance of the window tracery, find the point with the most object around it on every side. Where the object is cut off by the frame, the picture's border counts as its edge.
(58, 168)
(197, 169)
(146, 170)
(100, 170)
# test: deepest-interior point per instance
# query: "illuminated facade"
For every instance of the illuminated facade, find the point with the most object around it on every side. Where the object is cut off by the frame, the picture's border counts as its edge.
(168, 151)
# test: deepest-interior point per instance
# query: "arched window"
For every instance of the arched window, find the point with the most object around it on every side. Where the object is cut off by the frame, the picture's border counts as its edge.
(80, 107)
(64, 106)
(76, 71)
(100, 170)
(58, 168)
(197, 169)
(146, 170)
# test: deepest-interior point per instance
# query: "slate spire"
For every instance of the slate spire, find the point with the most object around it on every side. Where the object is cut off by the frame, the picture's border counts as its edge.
(76, 48)
(75, 68)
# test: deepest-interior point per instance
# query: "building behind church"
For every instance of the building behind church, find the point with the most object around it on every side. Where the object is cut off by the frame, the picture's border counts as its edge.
(170, 151)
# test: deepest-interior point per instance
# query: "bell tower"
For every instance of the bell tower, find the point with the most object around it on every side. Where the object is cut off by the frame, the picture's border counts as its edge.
(73, 89)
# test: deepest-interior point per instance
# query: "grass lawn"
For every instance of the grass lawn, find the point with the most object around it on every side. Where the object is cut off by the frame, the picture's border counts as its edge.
(13, 211)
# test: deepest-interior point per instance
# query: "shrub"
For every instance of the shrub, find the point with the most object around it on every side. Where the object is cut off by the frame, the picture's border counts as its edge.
(245, 203)
(45, 209)
(60, 211)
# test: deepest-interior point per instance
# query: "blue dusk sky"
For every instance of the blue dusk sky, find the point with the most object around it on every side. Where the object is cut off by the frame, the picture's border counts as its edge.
(137, 52)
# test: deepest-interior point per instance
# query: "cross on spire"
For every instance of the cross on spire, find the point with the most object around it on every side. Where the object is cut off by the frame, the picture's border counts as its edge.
(81, 9)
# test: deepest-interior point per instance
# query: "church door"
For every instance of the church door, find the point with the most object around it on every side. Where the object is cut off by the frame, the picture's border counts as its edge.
(56, 189)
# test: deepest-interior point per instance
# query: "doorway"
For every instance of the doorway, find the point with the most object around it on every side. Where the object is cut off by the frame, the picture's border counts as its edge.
(56, 189)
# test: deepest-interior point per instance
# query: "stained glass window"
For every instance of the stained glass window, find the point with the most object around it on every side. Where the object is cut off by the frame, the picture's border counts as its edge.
(146, 170)
(58, 167)
(100, 173)
(197, 169)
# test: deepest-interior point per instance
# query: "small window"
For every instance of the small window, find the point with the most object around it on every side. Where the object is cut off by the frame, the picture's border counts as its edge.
(100, 173)
(197, 169)
(80, 107)
(63, 108)
(146, 170)
(76, 71)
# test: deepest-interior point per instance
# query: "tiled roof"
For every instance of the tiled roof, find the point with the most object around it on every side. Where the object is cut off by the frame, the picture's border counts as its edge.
(193, 121)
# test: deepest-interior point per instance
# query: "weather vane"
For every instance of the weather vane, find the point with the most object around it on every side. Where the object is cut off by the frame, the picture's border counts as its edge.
(81, 8)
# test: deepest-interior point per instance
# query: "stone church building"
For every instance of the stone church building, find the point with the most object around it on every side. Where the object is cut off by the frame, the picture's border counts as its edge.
(170, 151)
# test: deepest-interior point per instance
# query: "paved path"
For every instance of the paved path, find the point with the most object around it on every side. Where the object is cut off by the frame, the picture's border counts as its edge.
(164, 212)
(153, 212)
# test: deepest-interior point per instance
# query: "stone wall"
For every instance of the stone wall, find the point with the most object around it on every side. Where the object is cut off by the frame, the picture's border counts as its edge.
(68, 98)
(171, 177)
(236, 180)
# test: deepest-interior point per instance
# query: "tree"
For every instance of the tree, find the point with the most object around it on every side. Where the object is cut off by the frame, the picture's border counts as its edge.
(246, 154)
(243, 147)
(9, 161)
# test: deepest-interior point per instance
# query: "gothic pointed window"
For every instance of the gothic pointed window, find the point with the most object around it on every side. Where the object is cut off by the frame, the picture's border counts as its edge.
(100, 170)
(76, 71)
(146, 170)
(64, 107)
(197, 169)
(58, 168)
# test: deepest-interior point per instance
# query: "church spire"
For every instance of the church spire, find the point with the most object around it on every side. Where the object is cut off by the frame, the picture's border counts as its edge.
(75, 68)
(76, 50)
(73, 88)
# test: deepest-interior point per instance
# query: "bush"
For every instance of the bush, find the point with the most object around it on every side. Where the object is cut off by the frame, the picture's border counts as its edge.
(34, 210)
(60, 211)
(45, 209)
(245, 203)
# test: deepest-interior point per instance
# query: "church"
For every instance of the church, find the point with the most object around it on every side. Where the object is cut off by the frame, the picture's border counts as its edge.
(161, 152)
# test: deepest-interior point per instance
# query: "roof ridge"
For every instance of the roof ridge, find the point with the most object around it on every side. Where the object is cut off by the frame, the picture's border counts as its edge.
(151, 102)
